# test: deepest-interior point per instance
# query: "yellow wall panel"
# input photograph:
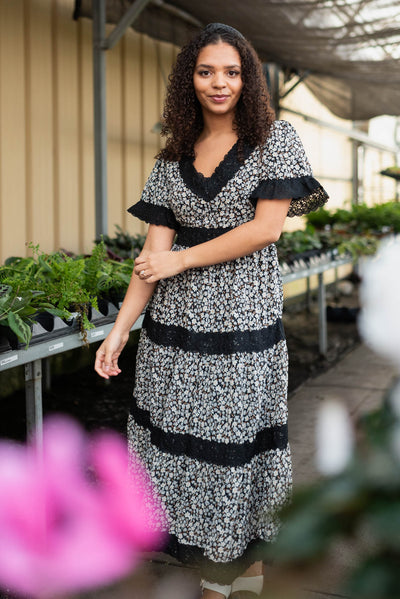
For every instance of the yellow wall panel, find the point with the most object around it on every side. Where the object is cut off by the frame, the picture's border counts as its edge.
(46, 125)
(39, 109)
(114, 135)
(151, 105)
(166, 58)
(12, 130)
(133, 108)
(66, 82)
(86, 145)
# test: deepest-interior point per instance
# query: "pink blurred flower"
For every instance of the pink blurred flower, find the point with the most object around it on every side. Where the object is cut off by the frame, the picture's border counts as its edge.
(72, 518)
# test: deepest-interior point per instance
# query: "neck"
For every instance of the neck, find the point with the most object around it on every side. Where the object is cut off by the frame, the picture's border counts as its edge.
(217, 125)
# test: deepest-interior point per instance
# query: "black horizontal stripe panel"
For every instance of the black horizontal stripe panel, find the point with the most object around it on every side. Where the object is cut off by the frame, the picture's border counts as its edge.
(190, 236)
(154, 214)
(212, 452)
(227, 342)
(220, 572)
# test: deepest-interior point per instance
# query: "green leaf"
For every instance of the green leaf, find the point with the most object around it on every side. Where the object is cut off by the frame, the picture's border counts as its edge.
(5, 297)
(19, 327)
(44, 264)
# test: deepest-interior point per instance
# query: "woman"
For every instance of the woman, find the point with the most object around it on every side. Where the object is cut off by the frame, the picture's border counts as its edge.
(209, 413)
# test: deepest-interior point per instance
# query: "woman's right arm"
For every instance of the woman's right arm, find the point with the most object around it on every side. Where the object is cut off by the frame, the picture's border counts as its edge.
(159, 238)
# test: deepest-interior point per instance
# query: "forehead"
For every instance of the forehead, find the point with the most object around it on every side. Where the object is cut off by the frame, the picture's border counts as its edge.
(220, 54)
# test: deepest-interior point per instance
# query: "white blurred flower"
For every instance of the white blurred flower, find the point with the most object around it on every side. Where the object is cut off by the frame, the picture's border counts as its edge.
(379, 321)
(334, 437)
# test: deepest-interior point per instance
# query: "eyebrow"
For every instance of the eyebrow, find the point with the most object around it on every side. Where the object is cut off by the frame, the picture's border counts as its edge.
(208, 66)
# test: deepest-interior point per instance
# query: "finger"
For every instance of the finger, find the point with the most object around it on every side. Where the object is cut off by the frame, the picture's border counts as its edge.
(144, 274)
(140, 270)
(99, 360)
(140, 260)
(115, 368)
(105, 364)
(98, 368)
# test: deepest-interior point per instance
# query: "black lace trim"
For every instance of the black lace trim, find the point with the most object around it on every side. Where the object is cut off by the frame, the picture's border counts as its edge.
(219, 572)
(190, 236)
(211, 452)
(155, 215)
(306, 192)
(208, 187)
(227, 342)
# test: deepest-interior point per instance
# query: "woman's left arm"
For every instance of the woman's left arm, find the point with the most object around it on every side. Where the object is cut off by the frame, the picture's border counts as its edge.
(245, 239)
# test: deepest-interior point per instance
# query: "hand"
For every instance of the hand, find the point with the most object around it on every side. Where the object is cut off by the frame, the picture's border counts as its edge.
(107, 355)
(153, 266)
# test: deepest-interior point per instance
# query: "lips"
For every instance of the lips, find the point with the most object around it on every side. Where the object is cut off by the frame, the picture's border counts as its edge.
(219, 98)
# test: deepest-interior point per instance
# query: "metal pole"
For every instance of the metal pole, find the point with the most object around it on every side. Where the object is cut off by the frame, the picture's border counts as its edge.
(34, 408)
(100, 120)
(337, 295)
(360, 171)
(322, 327)
(355, 181)
(308, 295)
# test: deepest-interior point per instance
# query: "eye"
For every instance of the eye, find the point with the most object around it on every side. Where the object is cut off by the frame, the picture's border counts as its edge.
(233, 73)
(203, 73)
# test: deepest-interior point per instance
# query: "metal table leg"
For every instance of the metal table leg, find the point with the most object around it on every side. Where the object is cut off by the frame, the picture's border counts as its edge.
(308, 295)
(33, 396)
(322, 326)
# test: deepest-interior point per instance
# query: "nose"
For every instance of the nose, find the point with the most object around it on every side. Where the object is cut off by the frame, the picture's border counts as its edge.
(219, 80)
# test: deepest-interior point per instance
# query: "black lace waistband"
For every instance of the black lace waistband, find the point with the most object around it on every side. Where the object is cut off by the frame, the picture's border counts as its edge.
(190, 236)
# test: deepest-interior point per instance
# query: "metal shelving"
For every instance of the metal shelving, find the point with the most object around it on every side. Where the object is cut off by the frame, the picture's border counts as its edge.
(33, 356)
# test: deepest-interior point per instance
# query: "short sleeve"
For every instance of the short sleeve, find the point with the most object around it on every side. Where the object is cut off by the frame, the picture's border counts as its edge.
(286, 172)
(154, 204)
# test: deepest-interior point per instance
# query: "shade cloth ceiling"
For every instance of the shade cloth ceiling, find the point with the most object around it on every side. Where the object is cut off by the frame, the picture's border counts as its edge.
(347, 50)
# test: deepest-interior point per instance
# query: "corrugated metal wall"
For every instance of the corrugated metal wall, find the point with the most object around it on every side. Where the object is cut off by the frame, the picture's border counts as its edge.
(46, 125)
(46, 129)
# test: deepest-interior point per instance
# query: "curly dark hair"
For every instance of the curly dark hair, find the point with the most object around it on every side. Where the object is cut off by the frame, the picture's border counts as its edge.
(182, 120)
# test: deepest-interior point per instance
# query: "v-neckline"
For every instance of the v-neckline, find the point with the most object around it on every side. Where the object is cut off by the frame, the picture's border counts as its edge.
(209, 187)
(219, 165)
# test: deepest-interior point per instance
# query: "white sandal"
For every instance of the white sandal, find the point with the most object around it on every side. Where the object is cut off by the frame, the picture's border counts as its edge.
(252, 585)
(224, 589)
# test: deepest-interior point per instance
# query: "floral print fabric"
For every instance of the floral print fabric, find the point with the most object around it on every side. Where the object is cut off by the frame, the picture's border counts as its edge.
(209, 410)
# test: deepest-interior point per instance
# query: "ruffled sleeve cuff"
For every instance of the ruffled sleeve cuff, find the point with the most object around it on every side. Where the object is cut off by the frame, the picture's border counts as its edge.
(154, 215)
(306, 192)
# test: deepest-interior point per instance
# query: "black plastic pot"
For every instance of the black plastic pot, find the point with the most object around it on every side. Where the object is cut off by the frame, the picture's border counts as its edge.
(341, 314)
(4, 342)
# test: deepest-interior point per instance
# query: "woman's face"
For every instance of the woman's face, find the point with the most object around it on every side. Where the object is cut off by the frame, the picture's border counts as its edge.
(217, 78)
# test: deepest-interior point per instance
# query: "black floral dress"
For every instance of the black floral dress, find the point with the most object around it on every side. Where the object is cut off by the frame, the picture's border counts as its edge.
(209, 409)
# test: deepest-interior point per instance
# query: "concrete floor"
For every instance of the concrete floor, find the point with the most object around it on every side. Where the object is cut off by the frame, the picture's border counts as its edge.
(360, 380)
